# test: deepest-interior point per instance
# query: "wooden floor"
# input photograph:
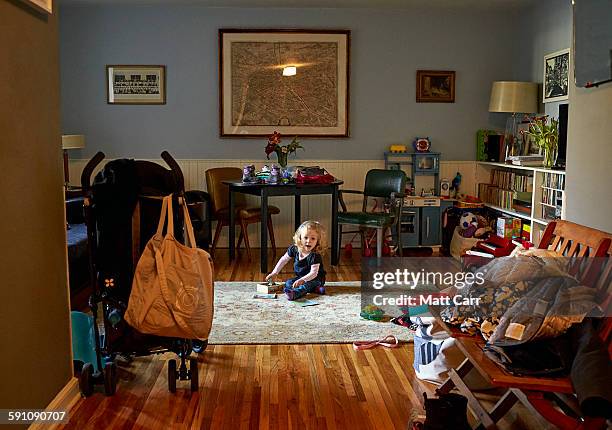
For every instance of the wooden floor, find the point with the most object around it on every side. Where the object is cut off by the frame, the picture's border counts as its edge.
(265, 386)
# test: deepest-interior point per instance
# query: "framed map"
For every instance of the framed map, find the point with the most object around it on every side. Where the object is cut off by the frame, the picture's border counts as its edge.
(295, 82)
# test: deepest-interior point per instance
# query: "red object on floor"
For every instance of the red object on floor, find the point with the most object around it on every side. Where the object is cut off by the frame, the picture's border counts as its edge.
(348, 250)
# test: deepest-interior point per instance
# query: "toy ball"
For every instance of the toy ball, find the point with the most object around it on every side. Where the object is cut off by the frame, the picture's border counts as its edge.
(468, 219)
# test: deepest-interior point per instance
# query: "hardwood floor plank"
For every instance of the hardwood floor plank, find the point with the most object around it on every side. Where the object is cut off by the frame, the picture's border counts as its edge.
(321, 386)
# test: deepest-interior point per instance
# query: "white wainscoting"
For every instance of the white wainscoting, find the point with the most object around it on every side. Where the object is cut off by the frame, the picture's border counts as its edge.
(352, 172)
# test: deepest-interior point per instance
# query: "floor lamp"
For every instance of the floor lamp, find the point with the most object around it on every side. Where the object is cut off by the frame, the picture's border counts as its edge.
(513, 97)
(70, 141)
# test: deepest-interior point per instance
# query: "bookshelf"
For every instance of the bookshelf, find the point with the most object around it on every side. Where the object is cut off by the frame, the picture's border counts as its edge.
(534, 194)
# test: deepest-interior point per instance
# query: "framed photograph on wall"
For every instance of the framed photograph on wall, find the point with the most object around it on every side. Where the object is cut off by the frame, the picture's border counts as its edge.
(45, 6)
(556, 76)
(136, 85)
(435, 86)
(295, 82)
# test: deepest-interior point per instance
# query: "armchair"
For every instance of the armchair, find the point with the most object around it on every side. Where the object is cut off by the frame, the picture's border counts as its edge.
(388, 184)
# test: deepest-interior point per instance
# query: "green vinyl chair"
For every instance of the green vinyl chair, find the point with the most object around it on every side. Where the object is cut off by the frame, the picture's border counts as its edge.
(379, 183)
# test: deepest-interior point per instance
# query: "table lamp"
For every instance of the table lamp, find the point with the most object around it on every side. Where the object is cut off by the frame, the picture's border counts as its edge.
(513, 97)
(70, 141)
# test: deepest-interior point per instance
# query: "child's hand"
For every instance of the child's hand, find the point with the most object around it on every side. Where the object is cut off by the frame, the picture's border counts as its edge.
(298, 283)
(270, 276)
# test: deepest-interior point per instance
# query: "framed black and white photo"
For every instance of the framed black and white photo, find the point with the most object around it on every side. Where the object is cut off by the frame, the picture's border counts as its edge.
(556, 76)
(143, 85)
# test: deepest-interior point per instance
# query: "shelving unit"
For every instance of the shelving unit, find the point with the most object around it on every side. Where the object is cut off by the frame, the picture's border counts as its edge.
(545, 181)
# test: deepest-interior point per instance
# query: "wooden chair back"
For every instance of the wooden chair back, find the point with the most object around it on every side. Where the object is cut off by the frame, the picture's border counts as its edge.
(569, 239)
(219, 192)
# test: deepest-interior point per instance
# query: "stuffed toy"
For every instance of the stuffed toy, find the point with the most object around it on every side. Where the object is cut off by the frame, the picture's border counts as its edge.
(468, 224)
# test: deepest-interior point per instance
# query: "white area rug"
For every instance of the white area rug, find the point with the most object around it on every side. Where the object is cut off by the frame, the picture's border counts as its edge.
(241, 319)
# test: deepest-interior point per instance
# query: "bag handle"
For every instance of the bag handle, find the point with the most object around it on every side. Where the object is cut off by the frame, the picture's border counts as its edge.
(187, 224)
(162, 216)
(166, 209)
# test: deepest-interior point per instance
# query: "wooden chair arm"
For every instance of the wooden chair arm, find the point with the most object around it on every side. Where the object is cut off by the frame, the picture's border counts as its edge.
(341, 199)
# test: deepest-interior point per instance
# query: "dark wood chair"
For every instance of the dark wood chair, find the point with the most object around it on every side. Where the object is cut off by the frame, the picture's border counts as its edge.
(379, 183)
(245, 215)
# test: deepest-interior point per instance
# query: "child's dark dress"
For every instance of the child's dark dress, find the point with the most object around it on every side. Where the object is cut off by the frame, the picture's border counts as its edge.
(302, 268)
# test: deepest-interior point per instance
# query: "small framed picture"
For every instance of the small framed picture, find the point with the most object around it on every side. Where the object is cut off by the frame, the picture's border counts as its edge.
(140, 85)
(435, 86)
(556, 76)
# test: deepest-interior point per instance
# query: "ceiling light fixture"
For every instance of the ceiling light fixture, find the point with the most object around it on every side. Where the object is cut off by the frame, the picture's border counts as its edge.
(289, 71)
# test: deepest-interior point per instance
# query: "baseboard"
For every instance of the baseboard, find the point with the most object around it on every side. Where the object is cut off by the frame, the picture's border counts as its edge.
(63, 401)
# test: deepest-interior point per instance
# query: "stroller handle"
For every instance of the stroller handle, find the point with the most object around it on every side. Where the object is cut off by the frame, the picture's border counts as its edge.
(176, 170)
(89, 168)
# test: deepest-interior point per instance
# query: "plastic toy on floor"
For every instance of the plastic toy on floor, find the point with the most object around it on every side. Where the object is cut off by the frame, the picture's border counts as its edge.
(373, 313)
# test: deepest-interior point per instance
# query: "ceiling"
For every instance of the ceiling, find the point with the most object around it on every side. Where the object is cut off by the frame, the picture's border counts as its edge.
(317, 3)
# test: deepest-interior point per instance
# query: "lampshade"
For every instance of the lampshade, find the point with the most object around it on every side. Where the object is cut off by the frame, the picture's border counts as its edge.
(514, 97)
(73, 141)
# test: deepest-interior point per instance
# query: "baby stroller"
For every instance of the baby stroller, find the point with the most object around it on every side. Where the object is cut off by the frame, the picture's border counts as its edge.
(122, 209)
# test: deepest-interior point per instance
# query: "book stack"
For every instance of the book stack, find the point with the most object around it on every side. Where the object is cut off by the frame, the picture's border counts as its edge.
(511, 180)
(552, 195)
(494, 195)
(526, 160)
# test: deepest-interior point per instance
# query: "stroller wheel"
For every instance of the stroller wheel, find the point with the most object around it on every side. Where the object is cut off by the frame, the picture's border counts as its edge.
(172, 376)
(193, 368)
(110, 378)
(86, 385)
(199, 346)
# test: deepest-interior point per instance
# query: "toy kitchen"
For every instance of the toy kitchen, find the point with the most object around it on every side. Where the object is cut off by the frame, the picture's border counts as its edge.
(421, 219)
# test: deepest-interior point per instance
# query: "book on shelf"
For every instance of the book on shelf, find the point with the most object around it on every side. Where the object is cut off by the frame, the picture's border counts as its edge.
(554, 180)
(526, 160)
(522, 208)
(512, 181)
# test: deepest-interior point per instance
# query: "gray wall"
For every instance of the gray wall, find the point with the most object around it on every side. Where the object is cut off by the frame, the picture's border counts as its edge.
(387, 48)
(545, 29)
(549, 28)
(589, 157)
(35, 363)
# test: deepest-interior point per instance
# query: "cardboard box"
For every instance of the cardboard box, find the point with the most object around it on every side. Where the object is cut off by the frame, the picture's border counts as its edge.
(264, 288)
(505, 227)
(516, 227)
(526, 233)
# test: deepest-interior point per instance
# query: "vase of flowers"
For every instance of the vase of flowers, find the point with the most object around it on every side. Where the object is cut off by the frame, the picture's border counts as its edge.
(544, 132)
(282, 151)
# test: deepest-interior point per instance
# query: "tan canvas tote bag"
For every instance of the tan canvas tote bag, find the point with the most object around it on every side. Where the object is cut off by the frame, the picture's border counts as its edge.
(173, 288)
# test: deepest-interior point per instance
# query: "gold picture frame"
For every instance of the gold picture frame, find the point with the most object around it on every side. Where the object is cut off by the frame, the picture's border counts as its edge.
(136, 85)
(295, 82)
(45, 6)
(435, 86)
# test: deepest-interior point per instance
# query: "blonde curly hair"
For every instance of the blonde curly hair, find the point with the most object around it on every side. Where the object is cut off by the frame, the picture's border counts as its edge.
(315, 226)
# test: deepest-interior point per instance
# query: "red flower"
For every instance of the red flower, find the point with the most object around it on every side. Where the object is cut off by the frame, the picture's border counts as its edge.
(273, 141)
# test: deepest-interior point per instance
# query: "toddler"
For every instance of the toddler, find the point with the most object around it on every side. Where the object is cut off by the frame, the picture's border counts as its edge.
(310, 242)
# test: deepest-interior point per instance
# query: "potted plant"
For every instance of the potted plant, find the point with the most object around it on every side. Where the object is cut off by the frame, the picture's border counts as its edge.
(282, 151)
(544, 132)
